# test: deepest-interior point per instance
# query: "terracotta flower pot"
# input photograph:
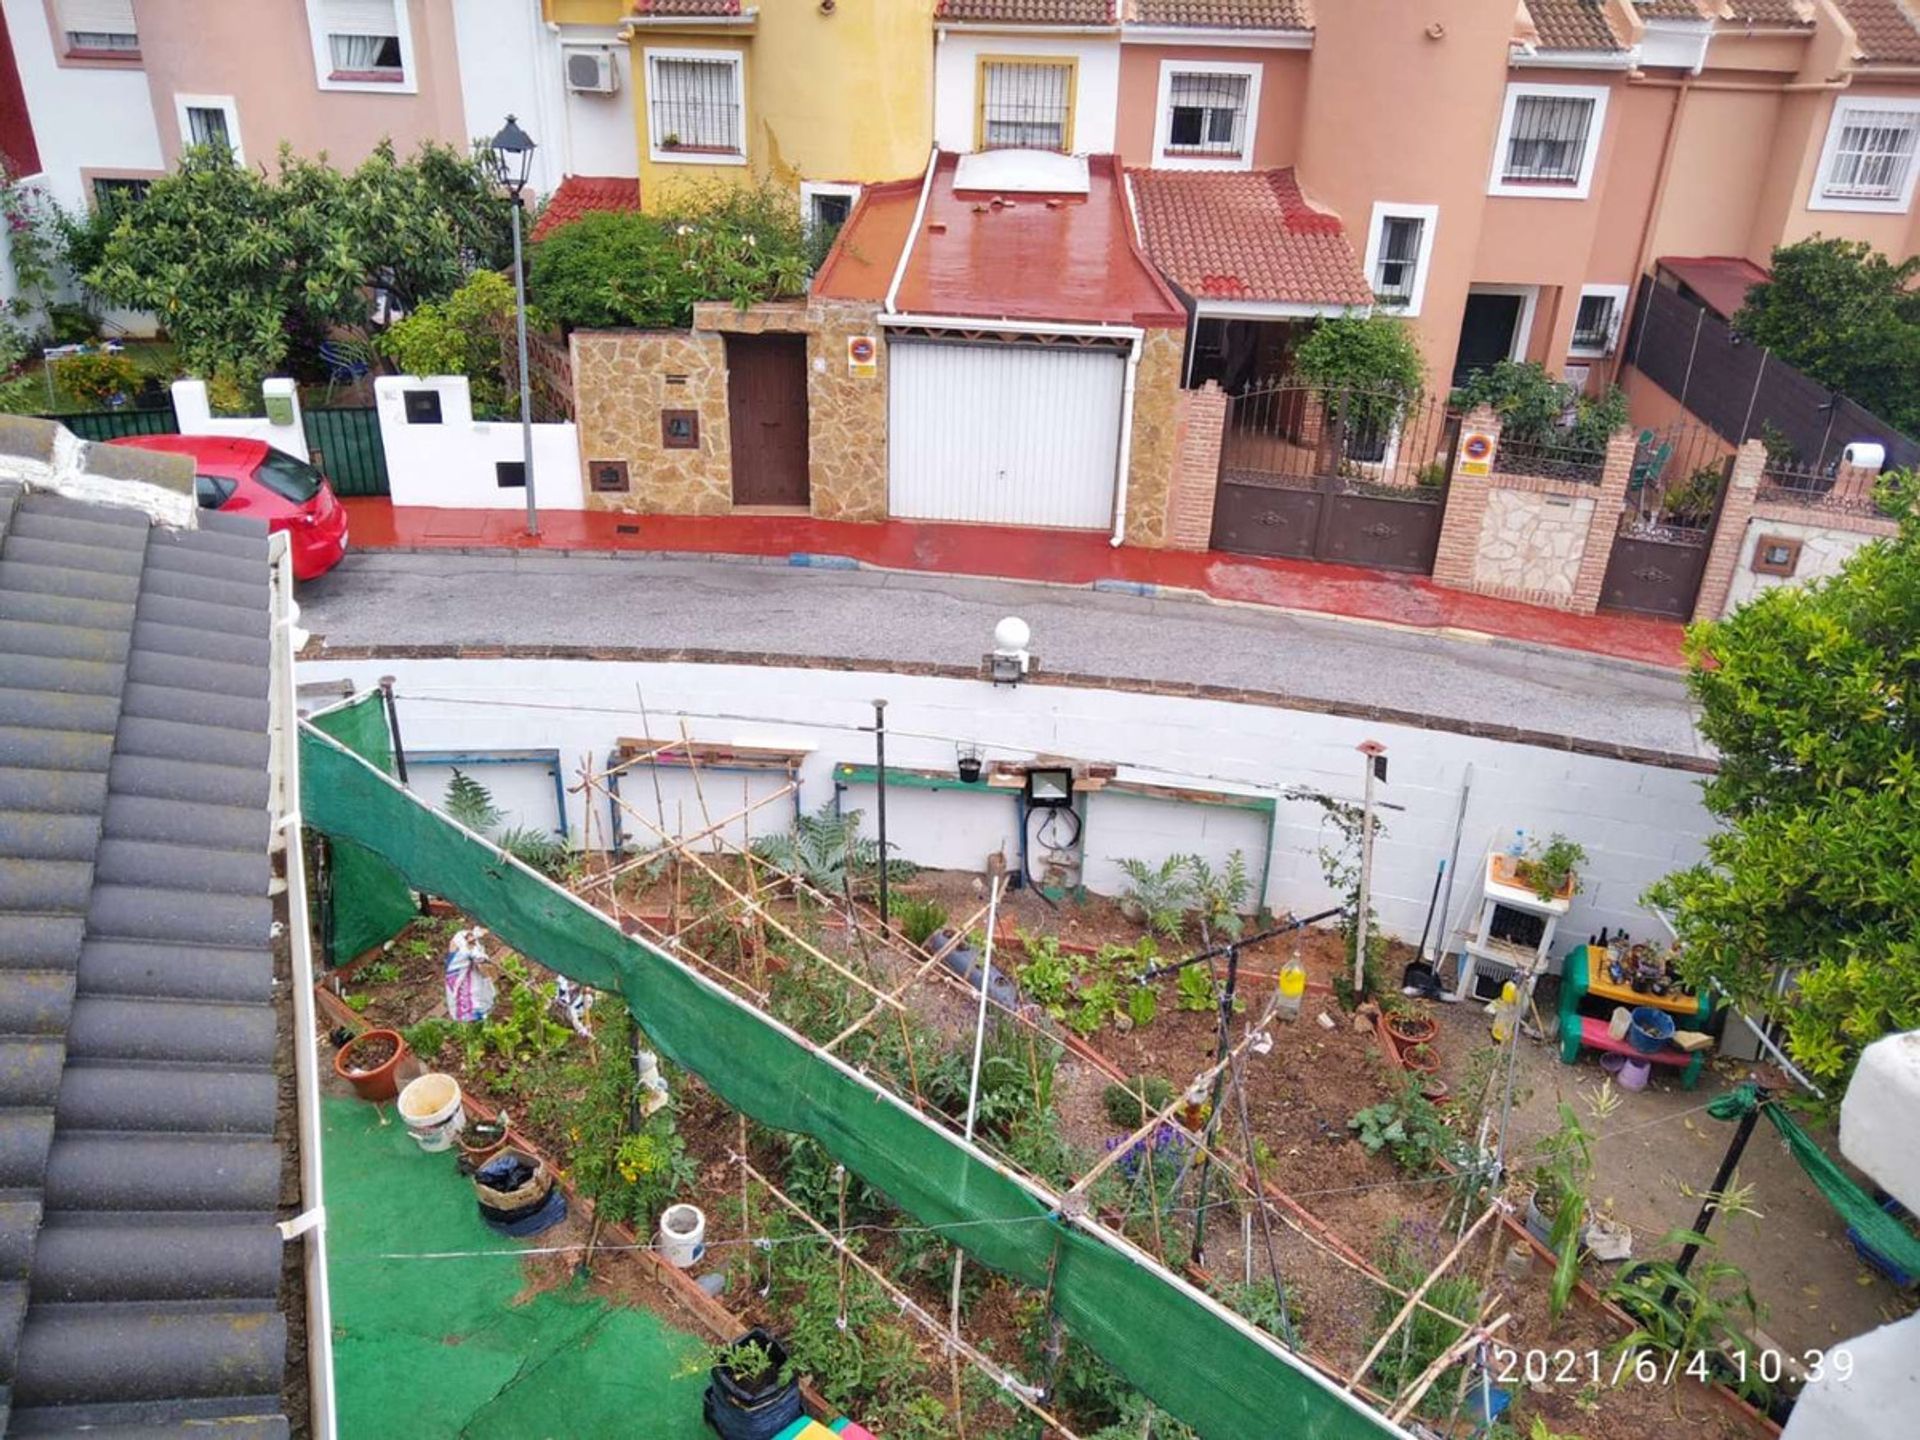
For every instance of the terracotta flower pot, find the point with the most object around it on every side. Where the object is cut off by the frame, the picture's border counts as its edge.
(360, 1063)
(1435, 1090)
(1421, 1059)
(1410, 1030)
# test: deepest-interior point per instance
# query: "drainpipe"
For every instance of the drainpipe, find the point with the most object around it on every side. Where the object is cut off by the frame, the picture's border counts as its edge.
(1788, 87)
(913, 234)
(1126, 446)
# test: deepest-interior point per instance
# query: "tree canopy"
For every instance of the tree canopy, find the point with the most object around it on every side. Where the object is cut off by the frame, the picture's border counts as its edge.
(236, 262)
(625, 268)
(1809, 696)
(1848, 317)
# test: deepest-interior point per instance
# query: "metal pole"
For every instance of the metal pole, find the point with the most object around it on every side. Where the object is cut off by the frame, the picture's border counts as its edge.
(1452, 870)
(526, 377)
(1213, 1107)
(880, 780)
(973, 1084)
(1720, 1182)
(1369, 752)
(393, 728)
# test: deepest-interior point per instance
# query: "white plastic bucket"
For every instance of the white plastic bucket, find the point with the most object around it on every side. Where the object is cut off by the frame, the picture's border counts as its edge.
(683, 1236)
(431, 1108)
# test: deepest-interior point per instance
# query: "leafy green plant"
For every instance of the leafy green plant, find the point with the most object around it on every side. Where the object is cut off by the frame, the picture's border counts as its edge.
(1161, 895)
(468, 333)
(96, 376)
(1409, 1127)
(469, 803)
(1805, 694)
(1219, 897)
(1046, 976)
(1260, 1304)
(1896, 492)
(1143, 1003)
(1369, 365)
(520, 1029)
(1560, 1195)
(828, 852)
(1694, 499)
(1548, 868)
(1701, 1312)
(427, 1038)
(1194, 988)
(1129, 1105)
(918, 918)
(1405, 1256)
(1432, 475)
(378, 972)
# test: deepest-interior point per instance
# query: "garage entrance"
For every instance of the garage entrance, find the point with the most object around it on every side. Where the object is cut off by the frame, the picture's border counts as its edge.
(998, 432)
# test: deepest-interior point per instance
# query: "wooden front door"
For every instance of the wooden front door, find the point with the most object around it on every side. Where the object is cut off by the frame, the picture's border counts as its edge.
(767, 418)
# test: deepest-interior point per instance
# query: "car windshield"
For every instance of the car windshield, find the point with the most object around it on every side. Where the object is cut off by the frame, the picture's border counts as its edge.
(288, 478)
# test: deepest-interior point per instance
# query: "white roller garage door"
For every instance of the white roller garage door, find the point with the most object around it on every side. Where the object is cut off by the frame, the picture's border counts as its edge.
(1003, 434)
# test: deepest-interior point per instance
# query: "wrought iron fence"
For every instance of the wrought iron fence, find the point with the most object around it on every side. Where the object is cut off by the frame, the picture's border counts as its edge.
(1295, 436)
(1555, 456)
(1833, 488)
(1678, 479)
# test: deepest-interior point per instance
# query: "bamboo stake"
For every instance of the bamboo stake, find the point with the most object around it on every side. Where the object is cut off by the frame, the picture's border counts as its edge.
(647, 857)
(1014, 1387)
(899, 991)
(1419, 1291)
(1478, 1331)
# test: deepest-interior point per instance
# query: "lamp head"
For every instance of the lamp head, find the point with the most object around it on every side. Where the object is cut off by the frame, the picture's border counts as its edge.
(513, 157)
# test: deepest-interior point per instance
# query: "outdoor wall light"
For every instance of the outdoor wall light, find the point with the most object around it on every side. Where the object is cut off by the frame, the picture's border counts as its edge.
(1009, 662)
(1050, 788)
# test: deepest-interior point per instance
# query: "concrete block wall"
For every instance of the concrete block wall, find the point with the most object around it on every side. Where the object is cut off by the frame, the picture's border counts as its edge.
(1637, 819)
(453, 463)
(195, 414)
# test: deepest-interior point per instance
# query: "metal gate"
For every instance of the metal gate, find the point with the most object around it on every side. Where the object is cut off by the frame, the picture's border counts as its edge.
(344, 442)
(1311, 474)
(1665, 534)
(104, 425)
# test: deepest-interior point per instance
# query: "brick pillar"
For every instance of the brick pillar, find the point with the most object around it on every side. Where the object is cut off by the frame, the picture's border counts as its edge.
(1466, 510)
(1196, 467)
(1605, 521)
(1853, 483)
(1730, 530)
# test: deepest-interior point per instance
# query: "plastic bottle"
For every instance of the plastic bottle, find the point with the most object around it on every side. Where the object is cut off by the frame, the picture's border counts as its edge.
(1293, 986)
(1505, 1011)
(1519, 846)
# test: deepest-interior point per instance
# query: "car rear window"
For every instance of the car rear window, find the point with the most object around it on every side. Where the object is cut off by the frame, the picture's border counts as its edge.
(288, 478)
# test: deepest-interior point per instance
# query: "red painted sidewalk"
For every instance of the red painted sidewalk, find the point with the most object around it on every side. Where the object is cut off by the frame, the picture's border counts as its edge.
(1070, 557)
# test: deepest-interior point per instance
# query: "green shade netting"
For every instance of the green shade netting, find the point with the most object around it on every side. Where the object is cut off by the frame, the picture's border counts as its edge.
(1190, 1356)
(1877, 1230)
(371, 901)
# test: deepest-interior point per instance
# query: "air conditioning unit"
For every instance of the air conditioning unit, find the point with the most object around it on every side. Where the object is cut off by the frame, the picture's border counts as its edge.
(592, 72)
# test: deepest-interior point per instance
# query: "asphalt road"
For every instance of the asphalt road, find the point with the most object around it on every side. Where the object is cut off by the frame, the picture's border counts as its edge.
(424, 598)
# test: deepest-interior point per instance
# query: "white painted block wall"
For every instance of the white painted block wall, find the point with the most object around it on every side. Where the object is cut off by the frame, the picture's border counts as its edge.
(1637, 821)
(451, 464)
(956, 70)
(196, 417)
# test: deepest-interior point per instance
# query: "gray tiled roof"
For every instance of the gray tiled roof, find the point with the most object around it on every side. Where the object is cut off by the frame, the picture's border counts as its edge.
(139, 1175)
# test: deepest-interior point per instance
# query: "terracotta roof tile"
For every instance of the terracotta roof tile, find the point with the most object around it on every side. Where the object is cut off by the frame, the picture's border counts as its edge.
(1762, 12)
(1246, 235)
(686, 7)
(1573, 25)
(1886, 29)
(1223, 14)
(1030, 12)
(1672, 9)
(581, 195)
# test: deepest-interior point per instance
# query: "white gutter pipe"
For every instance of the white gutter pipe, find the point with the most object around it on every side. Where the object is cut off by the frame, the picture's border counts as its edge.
(310, 1226)
(913, 234)
(1126, 447)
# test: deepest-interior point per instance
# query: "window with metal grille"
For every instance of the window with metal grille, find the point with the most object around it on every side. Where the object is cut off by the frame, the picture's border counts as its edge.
(101, 27)
(207, 125)
(1026, 104)
(1547, 141)
(1399, 259)
(1594, 323)
(363, 39)
(1873, 155)
(1208, 114)
(116, 197)
(693, 104)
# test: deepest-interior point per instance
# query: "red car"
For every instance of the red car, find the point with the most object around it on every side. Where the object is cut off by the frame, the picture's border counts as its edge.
(250, 477)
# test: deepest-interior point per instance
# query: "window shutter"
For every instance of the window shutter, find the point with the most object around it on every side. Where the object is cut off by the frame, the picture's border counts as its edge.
(97, 17)
(360, 17)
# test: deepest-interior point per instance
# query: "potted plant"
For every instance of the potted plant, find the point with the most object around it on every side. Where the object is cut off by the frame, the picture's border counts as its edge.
(1550, 870)
(368, 1062)
(1557, 1208)
(1421, 1059)
(1409, 1025)
(752, 1394)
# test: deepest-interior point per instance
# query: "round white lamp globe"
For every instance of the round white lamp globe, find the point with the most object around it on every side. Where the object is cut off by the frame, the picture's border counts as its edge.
(1012, 633)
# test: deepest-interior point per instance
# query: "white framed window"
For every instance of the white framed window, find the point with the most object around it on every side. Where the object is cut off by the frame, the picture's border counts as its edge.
(826, 205)
(364, 45)
(1206, 115)
(1596, 320)
(209, 120)
(98, 29)
(1867, 162)
(1549, 141)
(1399, 247)
(696, 107)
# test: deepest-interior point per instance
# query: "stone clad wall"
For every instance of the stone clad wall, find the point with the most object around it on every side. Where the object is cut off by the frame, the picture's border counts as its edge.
(1531, 542)
(1826, 543)
(1156, 437)
(847, 415)
(623, 379)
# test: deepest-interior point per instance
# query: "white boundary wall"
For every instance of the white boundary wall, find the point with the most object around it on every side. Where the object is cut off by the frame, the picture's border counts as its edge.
(1636, 821)
(451, 464)
(196, 417)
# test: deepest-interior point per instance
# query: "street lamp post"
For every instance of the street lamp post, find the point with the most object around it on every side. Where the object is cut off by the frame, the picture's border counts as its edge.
(512, 163)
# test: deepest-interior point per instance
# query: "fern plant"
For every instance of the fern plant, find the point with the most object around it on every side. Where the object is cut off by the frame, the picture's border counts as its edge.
(468, 803)
(828, 852)
(1162, 894)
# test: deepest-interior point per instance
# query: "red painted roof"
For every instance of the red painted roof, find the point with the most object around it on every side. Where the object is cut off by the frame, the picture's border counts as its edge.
(1246, 235)
(580, 195)
(1721, 281)
(1026, 256)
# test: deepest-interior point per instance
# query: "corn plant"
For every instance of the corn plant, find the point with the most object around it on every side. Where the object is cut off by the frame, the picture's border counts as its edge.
(1701, 1312)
